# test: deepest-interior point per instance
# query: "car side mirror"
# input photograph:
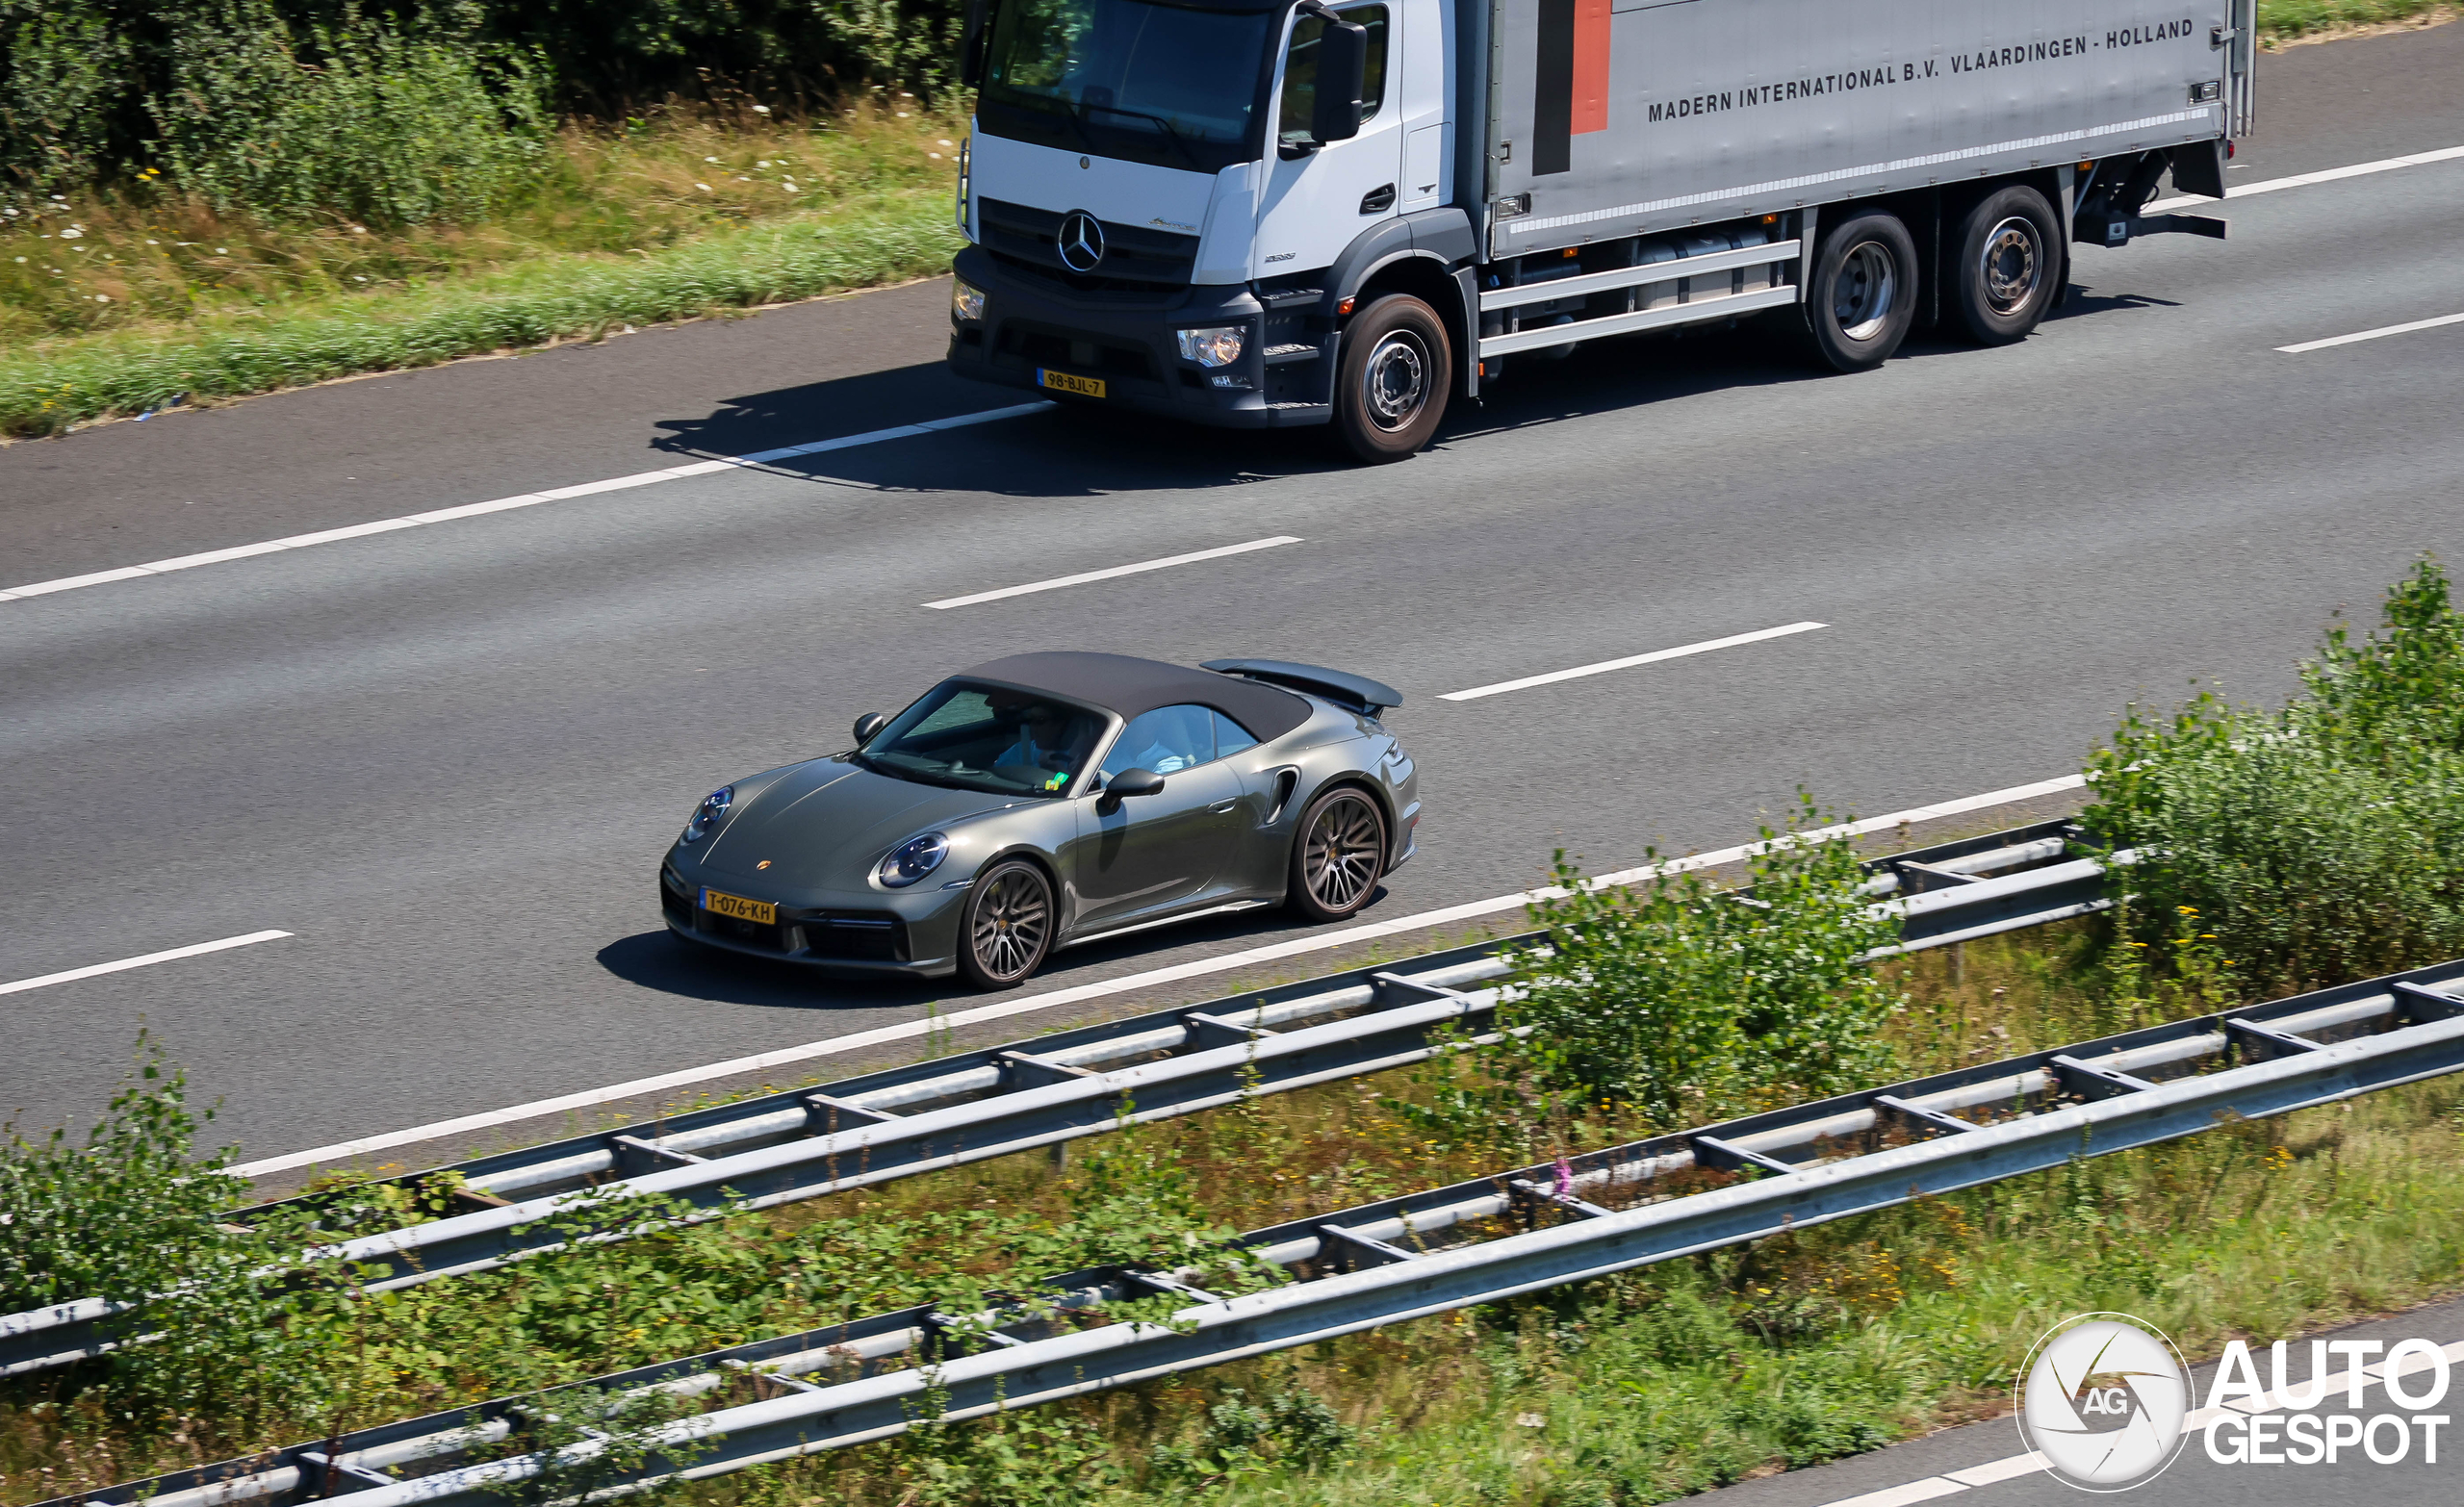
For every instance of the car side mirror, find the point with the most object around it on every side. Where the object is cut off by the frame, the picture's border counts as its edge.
(1128, 782)
(867, 725)
(1343, 74)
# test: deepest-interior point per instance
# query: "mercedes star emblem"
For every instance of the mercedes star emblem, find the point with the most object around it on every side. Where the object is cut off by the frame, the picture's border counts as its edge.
(1081, 239)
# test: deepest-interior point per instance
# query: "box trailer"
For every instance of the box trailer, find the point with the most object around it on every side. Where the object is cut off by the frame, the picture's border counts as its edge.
(1262, 212)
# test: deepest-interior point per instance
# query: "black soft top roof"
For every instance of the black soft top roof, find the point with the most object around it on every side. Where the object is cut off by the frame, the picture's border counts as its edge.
(1127, 686)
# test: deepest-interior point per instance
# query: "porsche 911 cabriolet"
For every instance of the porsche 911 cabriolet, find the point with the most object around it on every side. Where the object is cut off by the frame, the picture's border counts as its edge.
(1045, 800)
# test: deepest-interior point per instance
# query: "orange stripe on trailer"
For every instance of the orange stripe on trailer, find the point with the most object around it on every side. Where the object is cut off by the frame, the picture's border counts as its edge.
(1591, 66)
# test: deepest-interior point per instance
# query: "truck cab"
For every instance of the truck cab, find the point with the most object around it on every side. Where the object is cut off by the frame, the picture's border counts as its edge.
(1160, 197)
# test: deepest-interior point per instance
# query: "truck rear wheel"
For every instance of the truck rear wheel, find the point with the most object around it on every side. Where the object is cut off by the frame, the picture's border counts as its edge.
(1865, 290)
(2010, 266)
(1397, 373)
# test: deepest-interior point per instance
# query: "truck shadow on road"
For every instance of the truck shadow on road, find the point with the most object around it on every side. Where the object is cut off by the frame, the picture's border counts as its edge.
(1081, 451)
(659, 960)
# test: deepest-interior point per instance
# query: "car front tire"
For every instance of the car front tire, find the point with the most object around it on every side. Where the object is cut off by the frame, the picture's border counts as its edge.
(1004, 932)
(1338, 855)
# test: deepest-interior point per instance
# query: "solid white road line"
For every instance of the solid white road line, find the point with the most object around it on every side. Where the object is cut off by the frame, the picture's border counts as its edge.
(1630, 661)
(905, 431)
(908, 1030)
(1059, 581)
(93, 970)
(2243, 191)
(2380, 333)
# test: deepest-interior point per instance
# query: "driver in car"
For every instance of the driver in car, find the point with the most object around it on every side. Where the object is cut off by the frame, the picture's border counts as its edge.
(1052, 741)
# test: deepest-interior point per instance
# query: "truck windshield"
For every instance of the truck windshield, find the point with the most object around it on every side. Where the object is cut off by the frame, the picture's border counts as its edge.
(1169, 85)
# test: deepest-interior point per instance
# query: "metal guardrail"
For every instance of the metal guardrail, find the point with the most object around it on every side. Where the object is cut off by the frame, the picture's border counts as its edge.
(804, 1144)
(1421, 1254)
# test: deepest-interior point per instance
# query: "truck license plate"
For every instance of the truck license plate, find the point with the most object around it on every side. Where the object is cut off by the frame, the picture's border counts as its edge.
(1069, 382)
(736, 907)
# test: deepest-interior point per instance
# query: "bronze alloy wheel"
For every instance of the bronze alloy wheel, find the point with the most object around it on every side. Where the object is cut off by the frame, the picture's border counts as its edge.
(1006, 928)
(1339, 855)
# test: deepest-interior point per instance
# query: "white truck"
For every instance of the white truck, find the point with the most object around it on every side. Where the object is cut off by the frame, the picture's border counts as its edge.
(1255, 212)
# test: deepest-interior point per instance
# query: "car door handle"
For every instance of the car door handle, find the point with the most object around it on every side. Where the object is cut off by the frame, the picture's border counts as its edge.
(1223, 808)
(1378, 200)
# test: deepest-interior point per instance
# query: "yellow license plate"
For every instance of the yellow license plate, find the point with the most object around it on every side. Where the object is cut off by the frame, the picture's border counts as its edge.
(1067, 382)
(736, 907)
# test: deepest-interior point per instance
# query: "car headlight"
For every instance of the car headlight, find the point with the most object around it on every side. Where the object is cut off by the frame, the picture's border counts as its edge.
(966, 300)
(708, 814)
(1220, 346)
(913, 858)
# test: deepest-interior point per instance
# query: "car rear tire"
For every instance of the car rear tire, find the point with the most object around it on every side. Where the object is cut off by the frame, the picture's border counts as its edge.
(1864, 296)
(1338, 854)
(1397, 373)
(1004, 932)
(2010, 267)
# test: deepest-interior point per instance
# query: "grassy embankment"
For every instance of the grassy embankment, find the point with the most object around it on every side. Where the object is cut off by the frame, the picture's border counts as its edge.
(2322, 842)
(124, 300)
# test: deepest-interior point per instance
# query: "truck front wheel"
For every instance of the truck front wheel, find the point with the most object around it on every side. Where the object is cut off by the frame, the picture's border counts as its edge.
(2010, 266)
(1864, 292)
(1397, 372)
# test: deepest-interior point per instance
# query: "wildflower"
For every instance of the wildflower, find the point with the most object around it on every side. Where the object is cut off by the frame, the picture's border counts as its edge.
(705, 187)
(902, 115)
(1530, 1421)
(949, 144)
(69, 233)
(710, 159)
(153, 243)
(936, 156)
(222, 250)
(764, 162)
(102, 297)
(761, 109)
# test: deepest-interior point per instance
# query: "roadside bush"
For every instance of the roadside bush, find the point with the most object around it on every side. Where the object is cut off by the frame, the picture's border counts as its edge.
(2315, 843)
(1676, 1003)
(119, 1217)
(367, 122)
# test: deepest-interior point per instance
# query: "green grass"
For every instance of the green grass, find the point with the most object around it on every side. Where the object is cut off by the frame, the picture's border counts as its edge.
(2285, 21)
(120, 305)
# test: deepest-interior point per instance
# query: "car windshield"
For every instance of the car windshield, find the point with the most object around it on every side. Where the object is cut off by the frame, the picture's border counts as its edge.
(986, 737)
(1163, 84)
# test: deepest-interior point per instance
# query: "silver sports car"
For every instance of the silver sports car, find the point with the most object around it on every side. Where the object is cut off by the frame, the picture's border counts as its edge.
(1045, 800)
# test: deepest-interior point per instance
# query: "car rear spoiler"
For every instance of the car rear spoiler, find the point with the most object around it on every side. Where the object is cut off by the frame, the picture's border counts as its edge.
(1355, 691)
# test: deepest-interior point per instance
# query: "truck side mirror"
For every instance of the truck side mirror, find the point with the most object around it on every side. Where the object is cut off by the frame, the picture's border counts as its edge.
(971, 45)
(867, 725)
(1342, 73)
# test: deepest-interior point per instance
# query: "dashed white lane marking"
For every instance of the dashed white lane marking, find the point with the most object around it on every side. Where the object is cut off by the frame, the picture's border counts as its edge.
(1630, 661)
(1084, 577)
(2380, 333)
(94, 970)
(2243, 191)
(2011, 1467)
(767, 1061)
(444, 515)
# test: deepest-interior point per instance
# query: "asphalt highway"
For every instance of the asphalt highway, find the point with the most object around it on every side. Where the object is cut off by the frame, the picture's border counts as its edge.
(447, 759)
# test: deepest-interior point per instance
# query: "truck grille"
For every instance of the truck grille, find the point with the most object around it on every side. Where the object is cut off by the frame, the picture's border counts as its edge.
(1137, 259)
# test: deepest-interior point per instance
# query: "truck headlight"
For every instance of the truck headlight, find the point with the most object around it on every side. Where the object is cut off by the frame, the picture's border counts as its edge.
(966, 303)
(1220, 346)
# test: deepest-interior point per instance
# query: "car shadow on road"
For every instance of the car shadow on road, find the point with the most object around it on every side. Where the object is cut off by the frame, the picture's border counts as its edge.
(662, 961)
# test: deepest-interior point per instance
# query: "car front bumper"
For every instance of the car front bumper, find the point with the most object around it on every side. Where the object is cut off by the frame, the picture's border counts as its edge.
(874, 935)
(1033, 325)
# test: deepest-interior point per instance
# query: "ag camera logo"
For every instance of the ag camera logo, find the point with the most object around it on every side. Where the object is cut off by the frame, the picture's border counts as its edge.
(2103, 1398)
